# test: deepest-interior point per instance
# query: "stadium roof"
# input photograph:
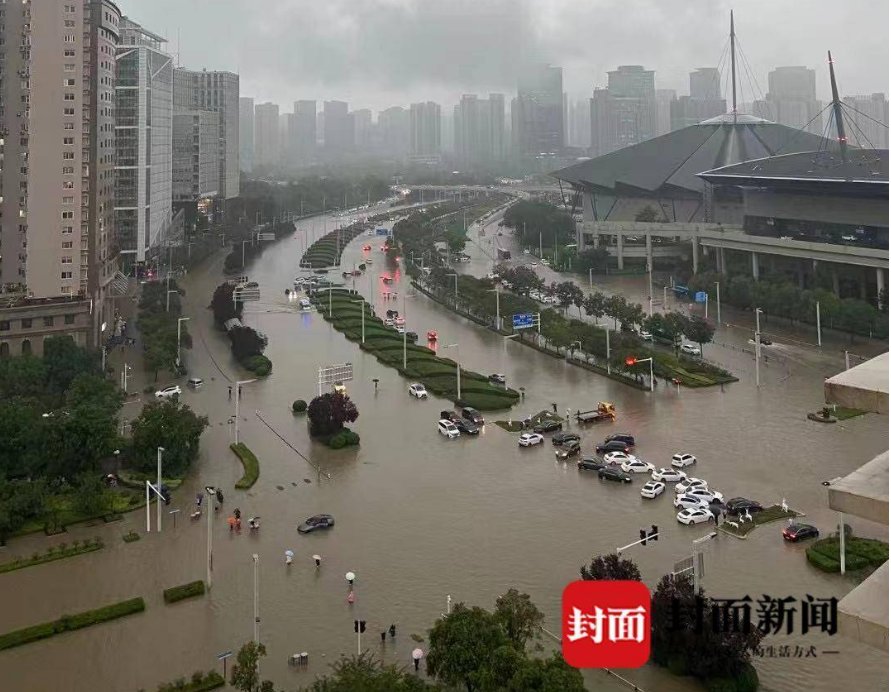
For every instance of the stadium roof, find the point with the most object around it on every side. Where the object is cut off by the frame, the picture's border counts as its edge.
(668, 165)
(863, 166)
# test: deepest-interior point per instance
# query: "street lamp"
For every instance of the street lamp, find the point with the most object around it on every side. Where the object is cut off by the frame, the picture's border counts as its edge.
(160, 453)
(237, 400)
(631, 360)
(758, 312)
(243, 243)
(179, 323)
(124, 374)
(458, 363)
(211, 493)
(169, 291)
(718, 299)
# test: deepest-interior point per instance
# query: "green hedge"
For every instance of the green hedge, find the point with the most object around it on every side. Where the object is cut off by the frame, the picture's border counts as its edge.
(200, 682)
(178, 593)
(52, 554)
(69, 623)
(260, 365)
(299, 406)
(249, 462)
(860, 553)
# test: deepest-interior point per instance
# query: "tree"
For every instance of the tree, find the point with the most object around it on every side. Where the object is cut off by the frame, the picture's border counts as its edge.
(552, 674)
(245, 673)
(64, 360)
(170, 425)
(222, 304)
(91, 496)
(673, 324)
(368, 674)
(646, 215)
(519, 617)
(328, 413)
(594, 305)
(247, 342)
(610, 567)
(698, 330)
(461, 646)
(595, 258)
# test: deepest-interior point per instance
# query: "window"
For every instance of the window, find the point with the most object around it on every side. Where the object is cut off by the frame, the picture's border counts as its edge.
(68, 141)
(69, 96)
(68, 126)
(4, 326)
(67, 245)
(67, 214)
(69, 319)
(69, 67)
(26, 345)
(66, 259)
(26, 323)
(68, 82)
(67, 170)
(67, 200)
(66, 275)
(69, 53)
(68, 155)
(47, 321)
(68, 185)
(69, 38)
(67, 230)
(68, 111)
(69, 23)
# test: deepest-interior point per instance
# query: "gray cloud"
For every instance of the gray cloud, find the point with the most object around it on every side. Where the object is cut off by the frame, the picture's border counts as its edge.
(375, 53)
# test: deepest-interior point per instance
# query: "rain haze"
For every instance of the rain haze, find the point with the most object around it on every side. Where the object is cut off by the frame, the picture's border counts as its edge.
(377, 53)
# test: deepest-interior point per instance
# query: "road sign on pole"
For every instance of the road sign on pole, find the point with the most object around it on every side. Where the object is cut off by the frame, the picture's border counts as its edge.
(524, 320)
(266, 236)
(330, 374)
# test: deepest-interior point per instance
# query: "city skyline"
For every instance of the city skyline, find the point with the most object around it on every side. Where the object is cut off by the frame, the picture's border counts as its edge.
(501, 40)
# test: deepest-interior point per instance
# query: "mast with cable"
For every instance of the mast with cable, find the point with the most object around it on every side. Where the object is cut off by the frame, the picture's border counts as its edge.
(837, 112)
(733, 65)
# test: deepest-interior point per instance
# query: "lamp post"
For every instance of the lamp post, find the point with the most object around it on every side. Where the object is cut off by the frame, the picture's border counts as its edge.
(631, 360)
(243, 243)
(256, 558)
(363, 317)
(458, 363)
(160, 452)
(758, 312)
(608, 372)
(404, 337)
(497, 307)
(211, 493)
(169, 291)
(718, 299)
(124, 374)
(819, 330)
(179, 324)
(237, 400)
(590, 277)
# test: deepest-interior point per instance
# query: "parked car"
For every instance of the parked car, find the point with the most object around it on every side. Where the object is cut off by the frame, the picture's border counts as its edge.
(400, 329)
(530, 439)
(682, 460)
(691, 349)
(652, 489)
(465, 427)
(645, 335)
(637, 466)
(417, 390)
(799, 532)
(613, 446)
(695, 516)
(706, 494)
(195, 382)
(411, 336)
(547, 426)
(318, 521)
(689, 502)
(741, 505)
(688, 483)
(570, 449)
(589, 463)
(473, 415)
(668, 475)
(617, 457)
(561, 438)
(497, 377)
(627, 438)
(168, 392)
(447, 428)
(613, 474)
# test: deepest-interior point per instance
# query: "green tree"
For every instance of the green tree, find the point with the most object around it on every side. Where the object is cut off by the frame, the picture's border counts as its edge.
(247, 342)
(91, 496)
(171, 425)
(245, 672)
(328, 413)
(646, 215)
(22, 377)
(698, 330)
(64, 360)
(552, 674)
(596, 258)
(367, 674)
(595, 305)
(610, 567)
(519, 617)
(222, 304)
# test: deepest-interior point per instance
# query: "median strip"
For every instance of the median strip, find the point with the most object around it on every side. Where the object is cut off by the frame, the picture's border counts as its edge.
(249, 462)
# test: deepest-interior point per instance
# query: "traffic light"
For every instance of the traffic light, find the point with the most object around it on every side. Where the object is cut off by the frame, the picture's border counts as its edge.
(630, 360)
(359, 626)
(643, 536)
(654, 533)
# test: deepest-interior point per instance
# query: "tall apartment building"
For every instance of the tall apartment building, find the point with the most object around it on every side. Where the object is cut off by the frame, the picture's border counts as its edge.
(217, 91)
(867, 120)
(266, 141)
(304, 130)
(479, 130)
(539, 111)
(56, 170)
(394, 128)
(338, 128)
(362, 129)
(705, 83)
(664, 101)
(704, 101)
(625, 112)
(425, 126)
(246, 133)
(144, 132)
(579, 133)
(196, 151)
(497, 136)
(792, 99)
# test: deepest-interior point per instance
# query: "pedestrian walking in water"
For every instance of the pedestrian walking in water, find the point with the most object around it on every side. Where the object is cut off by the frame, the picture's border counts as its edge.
(351, 598)
(239, 391)
(230, 392)
(392, 631)
(318, 560)
(198, 500)
(384, 637)
(237, 513)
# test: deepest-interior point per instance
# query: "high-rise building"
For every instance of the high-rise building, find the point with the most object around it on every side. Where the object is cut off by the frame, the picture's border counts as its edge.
(304, 133)
(394, 127)
(57, 183)
(539, 116)
(213, 90)
(266, 140)
(196, 155)
(362, 129)
(425, 127)
(792, 99)
(496, 137)
(479, 130)
(704, 101)
(144, 133)
(665, 100)
(246, 133)
(579, 134)
(338, 128)
(866, 120)
(625, 112)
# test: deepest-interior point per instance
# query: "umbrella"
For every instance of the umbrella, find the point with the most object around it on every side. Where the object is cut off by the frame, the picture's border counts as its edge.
(350, 576)
(289, 553)
(417, 654)
(231, 521)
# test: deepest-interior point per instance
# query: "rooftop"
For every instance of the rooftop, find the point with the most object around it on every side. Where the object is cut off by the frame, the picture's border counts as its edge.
(864, 386)
(864, 166)
(864, 491)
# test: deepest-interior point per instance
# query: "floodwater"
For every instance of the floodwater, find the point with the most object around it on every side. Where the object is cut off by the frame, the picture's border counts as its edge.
(419, 517)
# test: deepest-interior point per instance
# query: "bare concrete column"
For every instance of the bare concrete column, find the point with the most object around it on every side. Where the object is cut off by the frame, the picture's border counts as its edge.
(863, 284)
(755, 268)
(695, 254)
(620, 250)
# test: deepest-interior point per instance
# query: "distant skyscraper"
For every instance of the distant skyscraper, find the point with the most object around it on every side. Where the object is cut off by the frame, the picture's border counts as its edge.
(395, 131)
(266, 140)
(425, 126)
(479, 130)
(246, 133)
(196, 155)
(362, 130)
(867, 120)
(579, 134)
(497, 137)
(539, 117)
(665, 99)
(792, 99)
(705, 83)
(625, 112)
(338, 127)
(704, 101)
(304, 136)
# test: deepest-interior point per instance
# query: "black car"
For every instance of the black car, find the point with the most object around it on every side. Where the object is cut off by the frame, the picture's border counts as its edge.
(588, 463)
(612, 446)
(611, 473)
(562, 438)
(799, 532)
(627, 438)
(473, 416)
(448, 415)
(465, 427)
(740, 505)
(411, 336)
(570, 449)
(547, 426)
(497, 378)
(319, 521)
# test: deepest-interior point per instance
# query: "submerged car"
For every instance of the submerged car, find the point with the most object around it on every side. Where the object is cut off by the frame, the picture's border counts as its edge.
(652, 489)
(417, 390)
(589, 463)
(562, 438)
(668, 475)
(681, 460)
(570, 449)
(613, 474)
(448, 428)
(547, 426)
(530, 439)
(498, 378)
(695, 516)
(798, 532)
(168, 392)
(315, 522)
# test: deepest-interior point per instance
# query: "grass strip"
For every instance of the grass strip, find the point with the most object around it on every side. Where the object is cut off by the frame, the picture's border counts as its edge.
(183, 591)
(250, 464)
(200, 682)
(51, 555)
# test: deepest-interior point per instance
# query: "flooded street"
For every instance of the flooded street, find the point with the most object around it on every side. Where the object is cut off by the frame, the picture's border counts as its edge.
(419, 516)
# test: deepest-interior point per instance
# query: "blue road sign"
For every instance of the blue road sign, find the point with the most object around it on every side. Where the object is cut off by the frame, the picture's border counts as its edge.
(383, 231)
(524, 320)
(701, 296)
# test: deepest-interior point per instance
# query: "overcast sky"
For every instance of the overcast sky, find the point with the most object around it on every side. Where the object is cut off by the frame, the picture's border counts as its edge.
(378, 53)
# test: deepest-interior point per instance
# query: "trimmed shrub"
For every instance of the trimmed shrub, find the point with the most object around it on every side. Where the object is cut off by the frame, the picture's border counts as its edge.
(183, 591)
(352, 438)
(260, 365)
(249, 462)
(299, 406)
(200, 682)
(337, 441)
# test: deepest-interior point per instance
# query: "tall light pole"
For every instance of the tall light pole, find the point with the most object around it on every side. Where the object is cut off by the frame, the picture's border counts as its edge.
(160, 452)
(696, 575)
(650, 293)
(635, 361)
(497, 307)
(169, 291)
(237, 400)
(718, 299)
(363, 317)
(404, 337)
(243, 243)
(211, 494)
(819, 330)
(179, 324)
(758, 312)
(256, 559)
(608, 372)
(458, 363)
(590, 277)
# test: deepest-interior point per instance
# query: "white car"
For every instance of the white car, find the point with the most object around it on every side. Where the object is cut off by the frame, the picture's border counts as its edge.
(388, 322)
(706, 494)
(400, 329)
(695, 516)
(681, 460)
(688, 483)
(689, 502)
(530, 439)
(637, 466)
(618, 458)
(417, 390)
(668, 475)
(447, 428)
(691, 349)
(645, 335)
(168, 392)
(652, 489)
(546, 262)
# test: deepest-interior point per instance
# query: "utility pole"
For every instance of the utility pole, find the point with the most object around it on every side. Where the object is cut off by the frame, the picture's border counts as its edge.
(256, 559)
(819, 331)
(211, 492)
(160, 452)
(718, 297)
(607, 349)
(757, 347)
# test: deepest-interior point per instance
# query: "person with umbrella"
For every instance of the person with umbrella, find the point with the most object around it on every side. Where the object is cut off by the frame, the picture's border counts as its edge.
(416, 656)
(289, 557)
